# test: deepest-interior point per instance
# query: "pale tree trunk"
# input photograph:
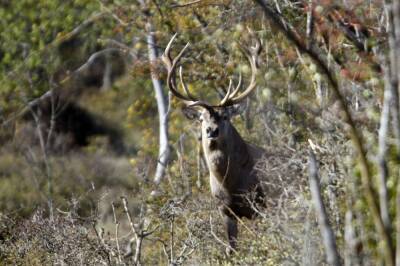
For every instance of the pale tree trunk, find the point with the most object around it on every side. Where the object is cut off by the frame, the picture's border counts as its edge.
(396, 58)
(393, 15)
(389, 106)
(382, 153)
(162, 104)
(393, 29)
(392, 77)
(328, 237)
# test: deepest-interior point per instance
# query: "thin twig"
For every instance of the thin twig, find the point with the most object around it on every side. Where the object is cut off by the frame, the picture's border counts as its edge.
(116, 232)
(186, 4)
(310, 24)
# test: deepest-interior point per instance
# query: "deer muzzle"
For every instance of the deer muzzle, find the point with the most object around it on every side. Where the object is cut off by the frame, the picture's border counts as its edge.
(212, 133)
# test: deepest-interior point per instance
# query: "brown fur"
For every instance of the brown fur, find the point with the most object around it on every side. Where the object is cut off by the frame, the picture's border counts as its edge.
(231, 162)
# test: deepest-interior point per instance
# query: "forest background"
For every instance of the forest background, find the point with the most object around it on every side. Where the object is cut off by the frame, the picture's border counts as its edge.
(98, 165)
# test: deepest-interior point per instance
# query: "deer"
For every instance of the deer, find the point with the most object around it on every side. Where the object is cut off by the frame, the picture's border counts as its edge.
(230, 159)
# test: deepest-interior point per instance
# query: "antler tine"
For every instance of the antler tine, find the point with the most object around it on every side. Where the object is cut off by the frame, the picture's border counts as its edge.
(171, 66)
(233, 94)
(230, 86)
(228, 93)
(185, 88)
(166, 57)
(252, 55)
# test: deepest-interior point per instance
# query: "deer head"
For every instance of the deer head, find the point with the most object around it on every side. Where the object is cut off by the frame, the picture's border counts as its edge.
(214, 118)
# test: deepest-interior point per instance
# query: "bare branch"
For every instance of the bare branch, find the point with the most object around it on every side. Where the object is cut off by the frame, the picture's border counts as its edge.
(310, 24)
(135, 231)
(328, 237)
(186, 4)
(79, 28)
(116, 232)
(93, 57)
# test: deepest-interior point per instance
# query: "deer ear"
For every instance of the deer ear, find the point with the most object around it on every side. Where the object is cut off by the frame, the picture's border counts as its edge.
(235, 110)
(191, 113)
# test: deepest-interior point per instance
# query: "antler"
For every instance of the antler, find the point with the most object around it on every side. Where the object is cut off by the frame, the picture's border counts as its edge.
(171, 65)
(252, 55)
(231, 96)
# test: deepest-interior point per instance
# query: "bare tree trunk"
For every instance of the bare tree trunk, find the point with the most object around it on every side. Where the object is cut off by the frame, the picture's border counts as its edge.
(398, 224)
(382, 151)
(393, 16)
(162, 105)
(352, 256)
(328, 237)
(392, 77)
(138, 251)
(164, 149)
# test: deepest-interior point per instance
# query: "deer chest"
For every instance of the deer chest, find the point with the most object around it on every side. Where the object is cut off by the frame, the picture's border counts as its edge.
(218, 165)
(217, 189)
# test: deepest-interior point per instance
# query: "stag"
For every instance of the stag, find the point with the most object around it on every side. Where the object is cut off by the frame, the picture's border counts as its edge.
(230, 159)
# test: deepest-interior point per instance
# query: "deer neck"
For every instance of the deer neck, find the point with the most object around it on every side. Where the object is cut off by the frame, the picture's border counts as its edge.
(225, 154)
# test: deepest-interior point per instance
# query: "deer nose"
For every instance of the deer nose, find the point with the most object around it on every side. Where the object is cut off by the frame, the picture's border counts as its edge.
(212, 133)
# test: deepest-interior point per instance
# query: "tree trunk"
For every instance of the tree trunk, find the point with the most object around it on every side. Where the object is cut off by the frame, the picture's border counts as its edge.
(162, 105)
(164, 149)
(328, 237)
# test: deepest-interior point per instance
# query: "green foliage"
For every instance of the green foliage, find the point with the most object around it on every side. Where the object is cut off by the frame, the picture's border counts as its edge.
(34, 46)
